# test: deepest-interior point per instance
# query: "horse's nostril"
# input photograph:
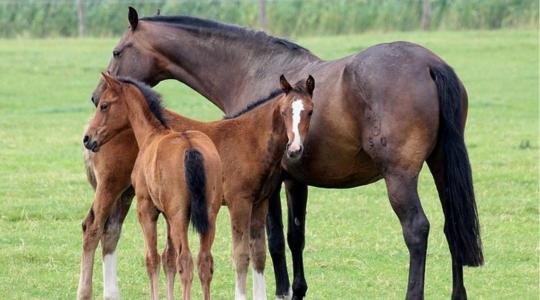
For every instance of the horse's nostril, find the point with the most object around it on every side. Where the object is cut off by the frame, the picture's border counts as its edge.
(85, 139)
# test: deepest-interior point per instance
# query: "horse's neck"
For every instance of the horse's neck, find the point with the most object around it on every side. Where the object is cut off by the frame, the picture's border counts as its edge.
(143, 123)
(229, 71)
(262, 123)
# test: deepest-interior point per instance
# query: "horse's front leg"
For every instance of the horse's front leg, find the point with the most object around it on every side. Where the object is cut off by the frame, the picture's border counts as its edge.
(240, 214)
(109, 241)
(257, 246)
(276, 246)
(297, 194)
(93, 227)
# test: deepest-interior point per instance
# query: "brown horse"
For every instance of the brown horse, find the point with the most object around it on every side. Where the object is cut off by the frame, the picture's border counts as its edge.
(177, 174)
(380, 114)
(251, 144)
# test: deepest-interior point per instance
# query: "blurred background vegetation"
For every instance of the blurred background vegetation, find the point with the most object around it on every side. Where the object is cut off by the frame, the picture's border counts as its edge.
(45, 18)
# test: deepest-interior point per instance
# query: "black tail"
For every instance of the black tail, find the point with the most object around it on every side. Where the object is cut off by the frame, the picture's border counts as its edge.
(461, 217)
(196, 182)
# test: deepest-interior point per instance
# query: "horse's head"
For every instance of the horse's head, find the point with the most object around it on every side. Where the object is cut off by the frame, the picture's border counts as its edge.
(111, 114)
(296, 109)
(134, 56)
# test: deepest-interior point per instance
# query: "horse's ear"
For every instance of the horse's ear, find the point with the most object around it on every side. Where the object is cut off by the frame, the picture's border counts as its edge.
(112, 82)
(133, 18)
(310, 84)
(285, 86)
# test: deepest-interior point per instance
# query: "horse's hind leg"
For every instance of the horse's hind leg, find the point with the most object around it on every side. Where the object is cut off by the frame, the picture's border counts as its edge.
(402, 191)
(297, 194)
(148, 215)
(435, 164)
(240, 214)
(168, 259)
(205, 260)
(184, 262)
(109, 241)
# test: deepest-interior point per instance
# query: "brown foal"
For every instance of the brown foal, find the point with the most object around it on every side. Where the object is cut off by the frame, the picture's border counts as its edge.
(177, 174)
(251, 144)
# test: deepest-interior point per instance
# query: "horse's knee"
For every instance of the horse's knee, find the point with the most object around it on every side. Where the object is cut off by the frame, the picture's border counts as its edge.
(259, 260)
(241, 262)
(111, 232)
(296, 240)
(168, 259)
(152, 260)
(276, 244)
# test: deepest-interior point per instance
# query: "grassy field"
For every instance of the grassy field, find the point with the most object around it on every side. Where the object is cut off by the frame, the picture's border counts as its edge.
(354, 245)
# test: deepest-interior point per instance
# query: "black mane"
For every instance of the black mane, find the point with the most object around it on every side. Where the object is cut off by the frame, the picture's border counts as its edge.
(254, 104)
(153, 98)
(197, 25)
(299, 87)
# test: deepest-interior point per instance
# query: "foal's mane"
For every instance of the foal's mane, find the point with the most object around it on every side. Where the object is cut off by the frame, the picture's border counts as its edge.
(210, 27)
(153, 98)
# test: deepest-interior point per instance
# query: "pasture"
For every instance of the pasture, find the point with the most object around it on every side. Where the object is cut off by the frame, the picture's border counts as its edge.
(354, 247)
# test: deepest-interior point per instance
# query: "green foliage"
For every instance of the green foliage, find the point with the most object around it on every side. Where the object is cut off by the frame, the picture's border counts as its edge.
(354, 245)
(284, 17)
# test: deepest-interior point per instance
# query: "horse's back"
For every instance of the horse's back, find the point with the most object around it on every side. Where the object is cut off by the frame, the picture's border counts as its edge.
(388, 109)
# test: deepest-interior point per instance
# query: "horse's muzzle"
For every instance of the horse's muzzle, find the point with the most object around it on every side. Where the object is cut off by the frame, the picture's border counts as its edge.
(296, 153)
(89, 144)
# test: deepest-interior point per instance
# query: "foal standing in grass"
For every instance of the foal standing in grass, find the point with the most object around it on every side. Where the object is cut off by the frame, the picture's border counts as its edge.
(177, 174)
(251, 145)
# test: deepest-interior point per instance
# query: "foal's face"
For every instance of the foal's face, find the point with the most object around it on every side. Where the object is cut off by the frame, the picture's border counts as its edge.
(296, 110)
(111, 115)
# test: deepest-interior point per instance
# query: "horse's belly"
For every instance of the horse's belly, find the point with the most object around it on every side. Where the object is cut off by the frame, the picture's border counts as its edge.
(335, 166)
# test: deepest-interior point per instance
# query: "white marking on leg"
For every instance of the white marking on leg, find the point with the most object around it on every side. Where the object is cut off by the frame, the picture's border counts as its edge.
(297, 108)
(238, 293)
(110, 285)
(259, 286)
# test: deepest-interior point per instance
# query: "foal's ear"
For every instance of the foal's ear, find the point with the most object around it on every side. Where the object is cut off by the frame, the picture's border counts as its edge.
(112, 82)
(285, 86)
(310, 85)
(133, 18)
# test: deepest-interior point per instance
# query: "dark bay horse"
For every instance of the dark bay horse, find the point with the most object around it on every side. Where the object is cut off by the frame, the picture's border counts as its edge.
(250, 143)
(380, 114)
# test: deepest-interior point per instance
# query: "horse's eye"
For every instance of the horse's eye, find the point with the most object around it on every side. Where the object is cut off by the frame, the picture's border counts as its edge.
(116, 53)
(310, 113)
(104, 106)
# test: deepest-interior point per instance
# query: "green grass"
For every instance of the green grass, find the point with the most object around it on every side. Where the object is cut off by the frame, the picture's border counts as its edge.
(354, 245)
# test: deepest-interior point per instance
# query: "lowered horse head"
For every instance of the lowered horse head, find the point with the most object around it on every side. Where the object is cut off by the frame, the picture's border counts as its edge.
(111, 116)
(296, 109)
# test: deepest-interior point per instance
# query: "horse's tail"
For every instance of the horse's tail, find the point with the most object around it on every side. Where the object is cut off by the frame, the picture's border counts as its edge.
(457, 194)
(196, 183)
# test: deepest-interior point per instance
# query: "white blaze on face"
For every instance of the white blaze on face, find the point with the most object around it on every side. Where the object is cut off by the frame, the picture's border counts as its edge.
(297, 108)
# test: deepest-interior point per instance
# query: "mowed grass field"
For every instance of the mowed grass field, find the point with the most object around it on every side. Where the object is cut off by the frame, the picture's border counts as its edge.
(354, 246)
